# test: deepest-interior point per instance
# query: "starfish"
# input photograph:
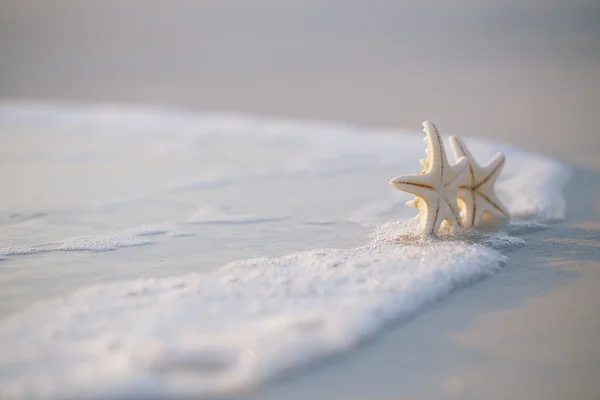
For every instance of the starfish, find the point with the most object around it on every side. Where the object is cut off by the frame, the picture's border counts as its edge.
(476, 194)
(436, 187)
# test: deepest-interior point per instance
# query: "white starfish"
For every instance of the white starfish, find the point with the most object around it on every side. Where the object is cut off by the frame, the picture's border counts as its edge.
(436, 187)
(476, 194)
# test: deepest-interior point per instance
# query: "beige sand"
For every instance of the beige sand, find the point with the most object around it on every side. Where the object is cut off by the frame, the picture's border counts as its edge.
(530, 332)
(521, 71)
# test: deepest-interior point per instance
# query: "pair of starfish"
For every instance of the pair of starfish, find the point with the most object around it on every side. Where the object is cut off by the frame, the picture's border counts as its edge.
(445, 192)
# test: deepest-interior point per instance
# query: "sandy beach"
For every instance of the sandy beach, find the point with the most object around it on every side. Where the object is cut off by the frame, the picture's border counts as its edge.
(525, 73)
(529, 332)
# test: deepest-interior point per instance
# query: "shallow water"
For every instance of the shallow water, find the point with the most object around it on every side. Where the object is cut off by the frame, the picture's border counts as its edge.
(128, 216)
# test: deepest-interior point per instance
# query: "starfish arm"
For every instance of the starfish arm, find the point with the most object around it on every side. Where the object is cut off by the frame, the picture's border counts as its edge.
(413, 203)
(423, 216)
(431, 219)
(468, 207)
(459, 148)
(436, 160)
(450, 212)
(496, 162)
(415, 184)
(489, 202)
(491, 171)
(416, 204)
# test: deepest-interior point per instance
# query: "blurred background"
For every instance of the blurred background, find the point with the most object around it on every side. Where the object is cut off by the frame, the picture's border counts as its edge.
(523, 71)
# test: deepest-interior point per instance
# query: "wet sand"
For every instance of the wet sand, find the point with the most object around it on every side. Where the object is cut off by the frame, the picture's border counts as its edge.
(529, 332)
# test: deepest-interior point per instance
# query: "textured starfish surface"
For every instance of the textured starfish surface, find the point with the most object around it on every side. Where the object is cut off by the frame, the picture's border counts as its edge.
(436, 187)
(476, 193)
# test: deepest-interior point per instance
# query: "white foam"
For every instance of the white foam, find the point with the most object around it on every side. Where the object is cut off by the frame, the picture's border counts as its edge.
(531, 186)
(502, 241)
(98, 243)
(209, 334)
(19, 250)
(217, 333)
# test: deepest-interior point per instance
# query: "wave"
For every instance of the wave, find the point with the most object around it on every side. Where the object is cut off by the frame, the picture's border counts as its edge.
(209, 214)
(207, 334)
(98, 243)
(215, 333)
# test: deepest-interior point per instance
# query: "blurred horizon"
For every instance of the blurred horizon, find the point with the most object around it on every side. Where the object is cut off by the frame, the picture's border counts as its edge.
(525, 72)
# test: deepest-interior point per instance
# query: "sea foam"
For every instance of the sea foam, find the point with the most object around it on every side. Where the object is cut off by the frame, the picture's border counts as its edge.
(205, 334)
(220, 332)
(98, 243)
